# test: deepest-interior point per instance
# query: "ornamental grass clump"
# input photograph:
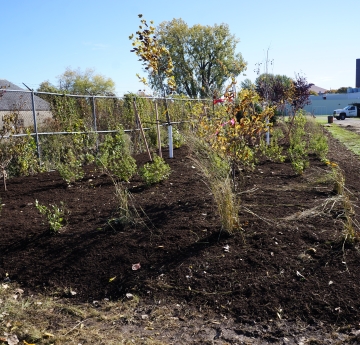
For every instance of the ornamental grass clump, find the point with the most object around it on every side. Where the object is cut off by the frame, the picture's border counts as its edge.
(126, 212)
(351, 227)
(338, 178)
(351, 231)
(155, 171)
(228, 204)
(216, 171)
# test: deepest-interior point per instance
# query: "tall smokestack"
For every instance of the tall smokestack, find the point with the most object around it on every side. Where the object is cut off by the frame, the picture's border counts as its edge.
(357, 83)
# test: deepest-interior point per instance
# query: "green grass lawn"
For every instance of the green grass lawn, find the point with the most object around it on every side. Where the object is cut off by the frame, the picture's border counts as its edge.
(350, 139)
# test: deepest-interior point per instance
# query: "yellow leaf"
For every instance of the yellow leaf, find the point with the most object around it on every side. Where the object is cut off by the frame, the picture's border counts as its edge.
(112, 279)
(48, 335)
(26, 343)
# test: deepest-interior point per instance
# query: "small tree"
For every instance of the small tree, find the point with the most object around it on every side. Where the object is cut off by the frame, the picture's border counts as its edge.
(155, 58)
(343, 89)
(276, 90)
(199, 54)
(247, 84)
(301, 93)
(234, 134)
(80, 82)
(299, 98)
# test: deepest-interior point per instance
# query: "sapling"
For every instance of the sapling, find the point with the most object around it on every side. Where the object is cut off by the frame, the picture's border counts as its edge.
(55, 215)
(3, 172)
(72, 169)
(155, 171)
(298, 150)
(273, 151)
(114, 156)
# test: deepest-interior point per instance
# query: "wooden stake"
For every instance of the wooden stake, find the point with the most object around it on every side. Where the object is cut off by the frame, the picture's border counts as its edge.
(3, 173)
(141, 129)
(158, 129)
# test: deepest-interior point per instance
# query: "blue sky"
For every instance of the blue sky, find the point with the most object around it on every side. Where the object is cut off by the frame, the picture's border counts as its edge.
(41, 38)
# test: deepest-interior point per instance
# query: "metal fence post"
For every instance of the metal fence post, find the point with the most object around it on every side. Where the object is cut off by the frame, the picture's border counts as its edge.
(94, 113)
(170, 131)
(35, 125)
(267, 132)
(95, 124)
(158, 128)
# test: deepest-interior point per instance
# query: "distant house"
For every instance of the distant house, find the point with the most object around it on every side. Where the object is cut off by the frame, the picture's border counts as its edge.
(17, 100)
(317, 89)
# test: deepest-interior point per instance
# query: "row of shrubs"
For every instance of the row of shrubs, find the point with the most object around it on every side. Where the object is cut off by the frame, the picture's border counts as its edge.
(68, 153)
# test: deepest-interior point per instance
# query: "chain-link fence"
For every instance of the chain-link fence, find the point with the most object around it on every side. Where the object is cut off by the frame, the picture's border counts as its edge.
(55, 120)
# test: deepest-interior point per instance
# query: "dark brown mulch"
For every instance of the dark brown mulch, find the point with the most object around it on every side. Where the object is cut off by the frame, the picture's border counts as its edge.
(275, 268)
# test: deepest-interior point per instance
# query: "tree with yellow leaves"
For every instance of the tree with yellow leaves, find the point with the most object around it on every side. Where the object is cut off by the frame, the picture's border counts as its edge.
(152, 55)
(234, 134)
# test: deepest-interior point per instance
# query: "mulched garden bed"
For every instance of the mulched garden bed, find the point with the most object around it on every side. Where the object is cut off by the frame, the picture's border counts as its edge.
(288, 263)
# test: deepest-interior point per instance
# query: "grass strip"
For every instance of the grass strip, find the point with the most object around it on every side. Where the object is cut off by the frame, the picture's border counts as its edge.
(350, 139)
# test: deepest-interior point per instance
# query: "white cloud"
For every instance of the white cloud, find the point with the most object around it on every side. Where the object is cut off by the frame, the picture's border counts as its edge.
(96, 46)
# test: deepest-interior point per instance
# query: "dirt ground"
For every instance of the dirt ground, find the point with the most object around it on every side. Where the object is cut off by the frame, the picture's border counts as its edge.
(349, 123)
(286, 278)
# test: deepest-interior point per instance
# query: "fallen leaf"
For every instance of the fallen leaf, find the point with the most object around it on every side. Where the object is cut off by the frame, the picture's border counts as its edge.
(12, 339)
(26, 343)
(300, 275)
(48, 335)
(112, 279)
(135, 267)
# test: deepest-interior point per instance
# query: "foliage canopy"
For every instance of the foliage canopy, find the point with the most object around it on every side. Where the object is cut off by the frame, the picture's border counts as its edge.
(277, 90)
(203, 57)
(154, 57)
(79, 82)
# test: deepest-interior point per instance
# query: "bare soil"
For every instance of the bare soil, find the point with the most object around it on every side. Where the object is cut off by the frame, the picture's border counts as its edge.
(286, 278)
(352, 124)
